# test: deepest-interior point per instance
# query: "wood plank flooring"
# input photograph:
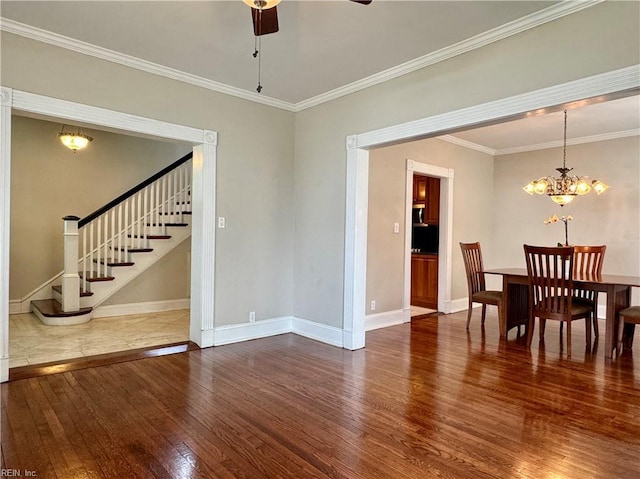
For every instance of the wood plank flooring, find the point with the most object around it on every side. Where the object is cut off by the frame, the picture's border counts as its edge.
(426, 399)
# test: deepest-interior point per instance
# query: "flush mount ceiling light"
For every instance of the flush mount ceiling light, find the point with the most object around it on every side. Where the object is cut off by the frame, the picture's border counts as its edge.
(74, 141)
(564, 189)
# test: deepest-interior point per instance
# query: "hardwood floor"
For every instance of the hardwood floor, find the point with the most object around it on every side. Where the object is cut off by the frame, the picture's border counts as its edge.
(422, 400)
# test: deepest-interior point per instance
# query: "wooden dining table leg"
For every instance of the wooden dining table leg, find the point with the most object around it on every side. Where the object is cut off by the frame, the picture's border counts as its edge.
(504, 307)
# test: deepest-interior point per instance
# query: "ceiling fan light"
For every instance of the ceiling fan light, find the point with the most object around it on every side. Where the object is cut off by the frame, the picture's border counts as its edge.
(261, 4)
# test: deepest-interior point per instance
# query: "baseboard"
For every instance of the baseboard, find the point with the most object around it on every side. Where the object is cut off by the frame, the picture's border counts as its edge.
(320, 332)
(140, 308)
(461, 304)
(4, 370)
(236, 333)
(15, 306)
(384, 320)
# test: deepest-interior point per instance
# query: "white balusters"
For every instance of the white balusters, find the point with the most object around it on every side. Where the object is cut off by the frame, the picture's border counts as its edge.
(110, 236)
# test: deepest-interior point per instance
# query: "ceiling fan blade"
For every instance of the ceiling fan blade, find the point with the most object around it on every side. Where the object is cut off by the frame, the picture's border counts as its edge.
(362, 2)
(264, 21)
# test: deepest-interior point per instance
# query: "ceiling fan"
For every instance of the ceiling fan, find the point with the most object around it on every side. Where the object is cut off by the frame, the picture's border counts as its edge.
(264, 14)
(265, 21)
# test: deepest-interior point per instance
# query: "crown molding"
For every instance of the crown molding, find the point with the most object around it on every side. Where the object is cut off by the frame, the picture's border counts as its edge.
(512, 28)
(44, 36)
(467, 144)
(614, 135)
(490, 36)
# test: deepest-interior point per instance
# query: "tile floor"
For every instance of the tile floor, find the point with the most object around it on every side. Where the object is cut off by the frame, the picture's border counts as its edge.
(31, 342)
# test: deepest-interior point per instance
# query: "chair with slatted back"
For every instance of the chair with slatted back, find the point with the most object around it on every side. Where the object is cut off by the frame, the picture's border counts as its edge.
(587, 261)
(472, 255)
(550, 272)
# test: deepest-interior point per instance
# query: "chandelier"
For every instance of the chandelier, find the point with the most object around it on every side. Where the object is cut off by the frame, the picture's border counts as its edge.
(565, 188)
(74, 141)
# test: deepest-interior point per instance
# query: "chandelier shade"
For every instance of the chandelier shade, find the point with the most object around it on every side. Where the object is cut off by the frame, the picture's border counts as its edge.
(74, 141)
(564, 188)
(261, 4)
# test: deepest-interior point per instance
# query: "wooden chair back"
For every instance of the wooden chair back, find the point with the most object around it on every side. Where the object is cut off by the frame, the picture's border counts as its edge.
(588, 260)
(472, 255)
(550, 271)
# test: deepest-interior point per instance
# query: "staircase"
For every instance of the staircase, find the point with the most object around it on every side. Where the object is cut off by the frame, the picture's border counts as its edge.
(107, 249)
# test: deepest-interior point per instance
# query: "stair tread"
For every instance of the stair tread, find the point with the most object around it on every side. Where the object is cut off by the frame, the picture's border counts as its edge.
(167, 224)
(137, 250)
(114, 263)
(93, 277)
(51, 308)
(58, 288)
(151, 236)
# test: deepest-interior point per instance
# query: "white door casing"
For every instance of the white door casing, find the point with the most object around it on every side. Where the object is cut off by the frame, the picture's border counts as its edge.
(357, 188)
(203, 198)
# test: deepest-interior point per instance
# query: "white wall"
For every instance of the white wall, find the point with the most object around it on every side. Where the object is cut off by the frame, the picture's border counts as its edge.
(254, 265)
(596, 40)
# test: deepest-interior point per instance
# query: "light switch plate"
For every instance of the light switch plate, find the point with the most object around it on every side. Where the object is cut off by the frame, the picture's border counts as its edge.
(221, 222)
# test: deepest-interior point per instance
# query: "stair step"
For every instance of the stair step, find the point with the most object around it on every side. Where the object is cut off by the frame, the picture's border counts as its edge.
(136, 250)
(83, 294)
(94, 278)
(51, 308)
(168, 224)
(150, 236)
(113, 262)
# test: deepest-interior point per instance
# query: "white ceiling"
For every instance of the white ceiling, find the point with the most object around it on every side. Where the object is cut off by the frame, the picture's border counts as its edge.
(322, 47)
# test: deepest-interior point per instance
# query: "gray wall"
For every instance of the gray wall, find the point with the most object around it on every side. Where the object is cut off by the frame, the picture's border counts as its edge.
(472, 212)
(254, 264)
(49, 181)
(612, 218)
(281, 176)
(596, 40)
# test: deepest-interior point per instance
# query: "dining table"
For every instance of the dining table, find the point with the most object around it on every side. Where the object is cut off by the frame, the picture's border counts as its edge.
(515, 300)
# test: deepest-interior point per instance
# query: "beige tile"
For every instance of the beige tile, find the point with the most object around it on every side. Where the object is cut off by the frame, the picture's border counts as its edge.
(32, 342)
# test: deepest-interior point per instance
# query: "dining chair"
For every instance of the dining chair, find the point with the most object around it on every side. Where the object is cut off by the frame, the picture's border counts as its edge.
(550, 272)
(629, 315)
(587, 261)
(478, 293)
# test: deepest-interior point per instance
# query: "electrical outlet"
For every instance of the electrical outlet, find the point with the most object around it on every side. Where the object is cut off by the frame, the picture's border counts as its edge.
(396, 228)
(252, 317)
(373, 305)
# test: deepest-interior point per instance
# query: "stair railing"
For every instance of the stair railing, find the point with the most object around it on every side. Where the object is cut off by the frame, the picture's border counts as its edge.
(106, 236)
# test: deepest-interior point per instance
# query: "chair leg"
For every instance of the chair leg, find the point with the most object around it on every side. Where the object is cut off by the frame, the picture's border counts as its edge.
(620, 335)
(469, 313)
(530, 328)
(596, 330)
(484, 312)
(543, 324)
(569, 338)
(588, 329)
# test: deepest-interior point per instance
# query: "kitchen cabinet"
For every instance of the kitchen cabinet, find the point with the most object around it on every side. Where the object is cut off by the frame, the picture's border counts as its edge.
(424, 280)
(426, 195)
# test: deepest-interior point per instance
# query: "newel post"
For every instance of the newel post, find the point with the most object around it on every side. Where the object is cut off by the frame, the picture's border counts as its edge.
(70, 278)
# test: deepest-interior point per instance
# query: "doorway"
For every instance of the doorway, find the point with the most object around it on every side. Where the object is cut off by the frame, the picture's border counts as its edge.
(204, 143)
